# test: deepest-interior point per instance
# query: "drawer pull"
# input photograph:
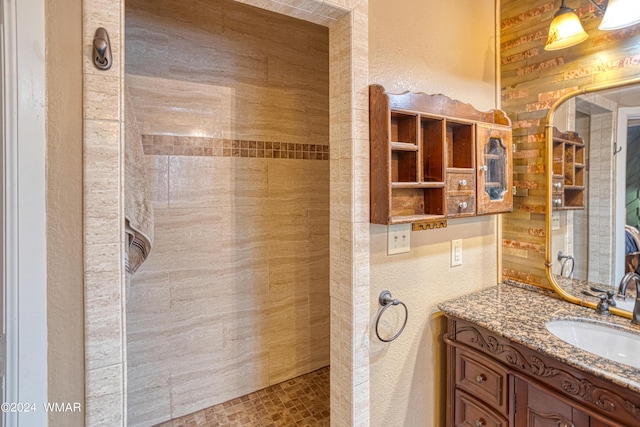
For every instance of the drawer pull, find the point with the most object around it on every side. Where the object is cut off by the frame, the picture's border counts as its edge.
(463, 183)
(480, 379)
(480, 423)
(463, 205)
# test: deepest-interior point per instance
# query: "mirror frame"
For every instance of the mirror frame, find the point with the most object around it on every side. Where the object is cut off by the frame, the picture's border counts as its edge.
(549, 181)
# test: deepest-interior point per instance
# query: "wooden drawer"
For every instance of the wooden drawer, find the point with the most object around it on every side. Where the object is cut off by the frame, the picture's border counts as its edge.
(557, 189)
(557, 200)
(461, 205)
(463, 182)
(471, 412)
(557, 185)
(482, 378)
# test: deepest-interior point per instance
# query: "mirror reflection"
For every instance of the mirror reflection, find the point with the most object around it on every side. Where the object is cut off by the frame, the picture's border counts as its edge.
(595, 195)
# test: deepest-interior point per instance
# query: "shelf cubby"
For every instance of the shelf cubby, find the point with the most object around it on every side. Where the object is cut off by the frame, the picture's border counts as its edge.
(460, 145)
(432, 130)
(404, 128)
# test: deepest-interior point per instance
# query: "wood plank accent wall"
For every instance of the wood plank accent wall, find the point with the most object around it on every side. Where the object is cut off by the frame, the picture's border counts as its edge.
(532, 80)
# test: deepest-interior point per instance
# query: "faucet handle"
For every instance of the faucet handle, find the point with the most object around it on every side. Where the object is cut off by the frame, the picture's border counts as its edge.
(603, 305)
(610, 295)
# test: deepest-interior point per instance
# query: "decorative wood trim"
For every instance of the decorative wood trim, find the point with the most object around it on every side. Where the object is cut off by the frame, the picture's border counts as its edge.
(558, 418)
(443, 105)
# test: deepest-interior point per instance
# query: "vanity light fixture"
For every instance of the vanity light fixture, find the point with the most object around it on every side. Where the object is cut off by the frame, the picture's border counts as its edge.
(565, 29)
(619, 14)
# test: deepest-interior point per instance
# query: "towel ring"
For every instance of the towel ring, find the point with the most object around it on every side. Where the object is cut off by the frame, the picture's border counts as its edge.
(386, 301)
(564, 259)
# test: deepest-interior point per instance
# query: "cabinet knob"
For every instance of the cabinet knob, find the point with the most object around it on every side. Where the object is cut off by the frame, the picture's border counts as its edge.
(484, 168)
(480, 423)
(463, 205)
(463, 183)
(557, 185)
(480, 379)
(557, 202)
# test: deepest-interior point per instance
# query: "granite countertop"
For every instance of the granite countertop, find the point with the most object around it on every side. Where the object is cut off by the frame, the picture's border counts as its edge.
(519, 313)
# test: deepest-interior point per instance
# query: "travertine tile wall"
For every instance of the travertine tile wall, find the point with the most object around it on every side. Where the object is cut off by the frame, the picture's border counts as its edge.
(235, 294)
(348, 28)
(601, 197)
(532, 80)
(105, 349)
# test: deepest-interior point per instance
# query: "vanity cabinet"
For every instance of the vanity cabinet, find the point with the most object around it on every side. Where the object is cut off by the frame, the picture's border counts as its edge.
(432, 157)
(492, 381)
(568, 170)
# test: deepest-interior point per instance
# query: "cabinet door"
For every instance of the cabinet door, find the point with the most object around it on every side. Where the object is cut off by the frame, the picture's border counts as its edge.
(494, 169)
(536, 407)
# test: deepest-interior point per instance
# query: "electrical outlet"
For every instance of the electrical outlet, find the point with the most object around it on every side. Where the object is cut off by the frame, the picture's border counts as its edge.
(398, 239)
(456, 252)
(555, 221)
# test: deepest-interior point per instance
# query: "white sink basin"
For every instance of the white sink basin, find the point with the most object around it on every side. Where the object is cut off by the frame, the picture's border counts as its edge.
(599, 338)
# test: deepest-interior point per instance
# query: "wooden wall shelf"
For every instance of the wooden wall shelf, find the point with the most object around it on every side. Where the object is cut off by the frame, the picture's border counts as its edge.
(433, 157)
(568, 170)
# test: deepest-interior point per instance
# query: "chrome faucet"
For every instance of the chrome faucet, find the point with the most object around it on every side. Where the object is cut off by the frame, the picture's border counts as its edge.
(622, 290)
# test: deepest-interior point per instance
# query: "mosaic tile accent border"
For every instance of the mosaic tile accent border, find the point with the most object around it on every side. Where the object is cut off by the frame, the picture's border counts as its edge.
(216, 147)
(301, 401)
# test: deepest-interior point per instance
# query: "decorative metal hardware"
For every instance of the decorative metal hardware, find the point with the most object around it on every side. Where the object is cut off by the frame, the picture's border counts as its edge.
(102, 49)
(429, 225)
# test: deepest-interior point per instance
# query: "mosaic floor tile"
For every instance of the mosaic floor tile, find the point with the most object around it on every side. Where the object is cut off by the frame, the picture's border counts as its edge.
(301, 401)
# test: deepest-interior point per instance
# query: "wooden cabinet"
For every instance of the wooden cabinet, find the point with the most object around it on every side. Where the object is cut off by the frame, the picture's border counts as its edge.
(495, 382)
(495, 177)
(433, 157)
(537, 407)
(568, 170)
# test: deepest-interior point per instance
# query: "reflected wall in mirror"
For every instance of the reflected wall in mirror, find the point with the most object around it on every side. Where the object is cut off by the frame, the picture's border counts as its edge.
(595, 193)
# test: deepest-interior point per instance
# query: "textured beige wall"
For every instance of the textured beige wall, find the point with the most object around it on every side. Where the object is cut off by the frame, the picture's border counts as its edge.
(432, 47)
(235, 294)
(64, 208)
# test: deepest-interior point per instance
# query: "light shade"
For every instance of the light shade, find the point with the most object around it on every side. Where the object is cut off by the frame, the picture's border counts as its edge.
(565, 29)
(620, 14)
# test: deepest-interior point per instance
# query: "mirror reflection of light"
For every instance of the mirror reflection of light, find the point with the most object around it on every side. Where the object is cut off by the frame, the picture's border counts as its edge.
(620, 14)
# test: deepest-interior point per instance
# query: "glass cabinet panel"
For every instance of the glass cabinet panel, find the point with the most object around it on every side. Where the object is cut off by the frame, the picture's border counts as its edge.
(495, 159)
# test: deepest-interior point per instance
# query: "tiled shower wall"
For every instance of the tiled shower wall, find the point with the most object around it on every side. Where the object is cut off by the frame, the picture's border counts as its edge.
(597, 246)
(232, 105)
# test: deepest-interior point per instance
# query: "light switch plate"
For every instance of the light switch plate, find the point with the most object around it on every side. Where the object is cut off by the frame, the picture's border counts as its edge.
(456, 252)
(398, 239)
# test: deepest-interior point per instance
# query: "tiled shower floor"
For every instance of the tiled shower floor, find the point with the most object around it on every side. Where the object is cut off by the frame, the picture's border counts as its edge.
(301, 401)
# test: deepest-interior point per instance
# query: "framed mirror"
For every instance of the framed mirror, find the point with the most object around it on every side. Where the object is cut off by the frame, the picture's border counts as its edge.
(593, 195)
